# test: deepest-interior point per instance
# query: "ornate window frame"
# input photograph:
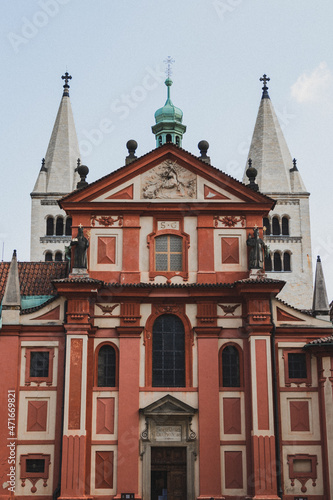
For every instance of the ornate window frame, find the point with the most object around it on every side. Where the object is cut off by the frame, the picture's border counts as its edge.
(38, 380)
(33, 477)
(159, 310)
(162, 226)
(302, 477)
(288, 380)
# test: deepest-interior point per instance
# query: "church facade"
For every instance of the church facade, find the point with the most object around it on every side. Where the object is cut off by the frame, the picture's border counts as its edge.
(163, 363)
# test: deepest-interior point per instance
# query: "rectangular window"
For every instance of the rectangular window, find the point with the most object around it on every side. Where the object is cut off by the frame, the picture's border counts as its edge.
(168, 253)
(297, 365)
(35, 465)
(39, 364)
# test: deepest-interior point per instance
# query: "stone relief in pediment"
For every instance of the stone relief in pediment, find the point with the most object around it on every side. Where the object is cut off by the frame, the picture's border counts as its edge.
(168, 181)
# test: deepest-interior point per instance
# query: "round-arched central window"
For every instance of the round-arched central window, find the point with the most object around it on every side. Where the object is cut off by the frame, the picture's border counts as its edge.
(168, 352)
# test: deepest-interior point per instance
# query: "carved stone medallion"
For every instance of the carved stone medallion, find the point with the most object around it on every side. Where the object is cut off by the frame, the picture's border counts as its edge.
(168, 181)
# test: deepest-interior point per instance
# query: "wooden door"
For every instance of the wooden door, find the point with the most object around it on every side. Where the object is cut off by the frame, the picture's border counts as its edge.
(177, 484)
(168, 473)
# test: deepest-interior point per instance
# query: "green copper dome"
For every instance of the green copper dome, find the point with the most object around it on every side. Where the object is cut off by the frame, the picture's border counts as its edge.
(169, 127)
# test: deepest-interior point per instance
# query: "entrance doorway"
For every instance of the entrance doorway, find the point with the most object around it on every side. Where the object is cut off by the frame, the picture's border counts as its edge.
(168, 473)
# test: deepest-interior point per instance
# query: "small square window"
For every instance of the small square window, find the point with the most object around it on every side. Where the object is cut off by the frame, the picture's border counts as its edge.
(39, 365)
(297, 367)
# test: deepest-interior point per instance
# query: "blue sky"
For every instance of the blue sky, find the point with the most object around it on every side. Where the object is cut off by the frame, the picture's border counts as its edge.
(115, 50)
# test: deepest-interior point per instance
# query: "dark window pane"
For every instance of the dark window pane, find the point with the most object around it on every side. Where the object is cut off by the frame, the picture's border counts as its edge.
(168, 352)
(230, 367)
(277, 262)
(267, 225)
(60, 226)
(286, 262)
(35, 465)
(276, 226)
(285, 225)
(268, 263)
(49, 226)
(297, 365)
(68, 226)
(39, 364)
(58, 257)
(48, 257)
(106, 366)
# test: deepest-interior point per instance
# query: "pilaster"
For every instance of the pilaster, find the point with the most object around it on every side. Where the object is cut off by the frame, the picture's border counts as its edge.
(209, 413)
(128, 413)
(263, 438)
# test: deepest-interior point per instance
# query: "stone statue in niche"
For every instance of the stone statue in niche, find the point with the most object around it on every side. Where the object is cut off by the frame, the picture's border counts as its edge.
(257, 247)
(168, 180)
(80, 244)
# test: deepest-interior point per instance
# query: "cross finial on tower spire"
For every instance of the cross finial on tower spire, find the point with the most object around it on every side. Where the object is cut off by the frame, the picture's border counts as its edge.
(66, 77)
(168, 61)
(265, 79)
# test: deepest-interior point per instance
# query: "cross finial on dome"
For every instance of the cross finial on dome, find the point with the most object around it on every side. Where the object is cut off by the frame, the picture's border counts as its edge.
(66, 77)
(168, 61)
(265, 79)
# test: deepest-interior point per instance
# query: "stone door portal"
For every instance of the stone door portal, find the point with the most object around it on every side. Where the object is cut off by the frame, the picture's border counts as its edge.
(168, 473)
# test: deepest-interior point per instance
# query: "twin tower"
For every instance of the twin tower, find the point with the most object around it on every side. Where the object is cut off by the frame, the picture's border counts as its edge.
(286, 229)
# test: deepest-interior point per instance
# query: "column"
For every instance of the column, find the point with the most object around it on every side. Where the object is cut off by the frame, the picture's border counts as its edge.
(74, 478)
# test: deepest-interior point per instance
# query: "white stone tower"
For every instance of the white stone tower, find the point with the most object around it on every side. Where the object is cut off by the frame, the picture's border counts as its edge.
(288, 225)
(50, 227)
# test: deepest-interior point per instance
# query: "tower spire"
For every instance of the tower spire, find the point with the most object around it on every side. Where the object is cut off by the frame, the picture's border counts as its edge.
(320, 301)
(56, 178)
(169, 118)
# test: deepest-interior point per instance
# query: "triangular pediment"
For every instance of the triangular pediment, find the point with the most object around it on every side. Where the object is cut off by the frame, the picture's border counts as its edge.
(166, 174)
(168, 405)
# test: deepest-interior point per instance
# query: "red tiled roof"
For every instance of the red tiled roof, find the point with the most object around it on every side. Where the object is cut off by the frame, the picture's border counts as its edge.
(35, 277)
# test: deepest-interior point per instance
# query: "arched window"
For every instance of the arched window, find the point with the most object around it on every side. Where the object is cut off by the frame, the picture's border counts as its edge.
(230, 367)
(286, 261)
(277, 262)
(285, 226)
(106, 367)
(168, 138)
(267, 225)
(276, 226)
(49, 226)
(168, 356)
(68, 230)
(268, 263)
(160, 140)
(177, 140)
(58, 257)
(48, 257)
(168, 253)
(59, 226)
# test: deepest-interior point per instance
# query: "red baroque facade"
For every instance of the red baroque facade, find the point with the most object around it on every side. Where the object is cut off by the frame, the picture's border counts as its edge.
(166, 370)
